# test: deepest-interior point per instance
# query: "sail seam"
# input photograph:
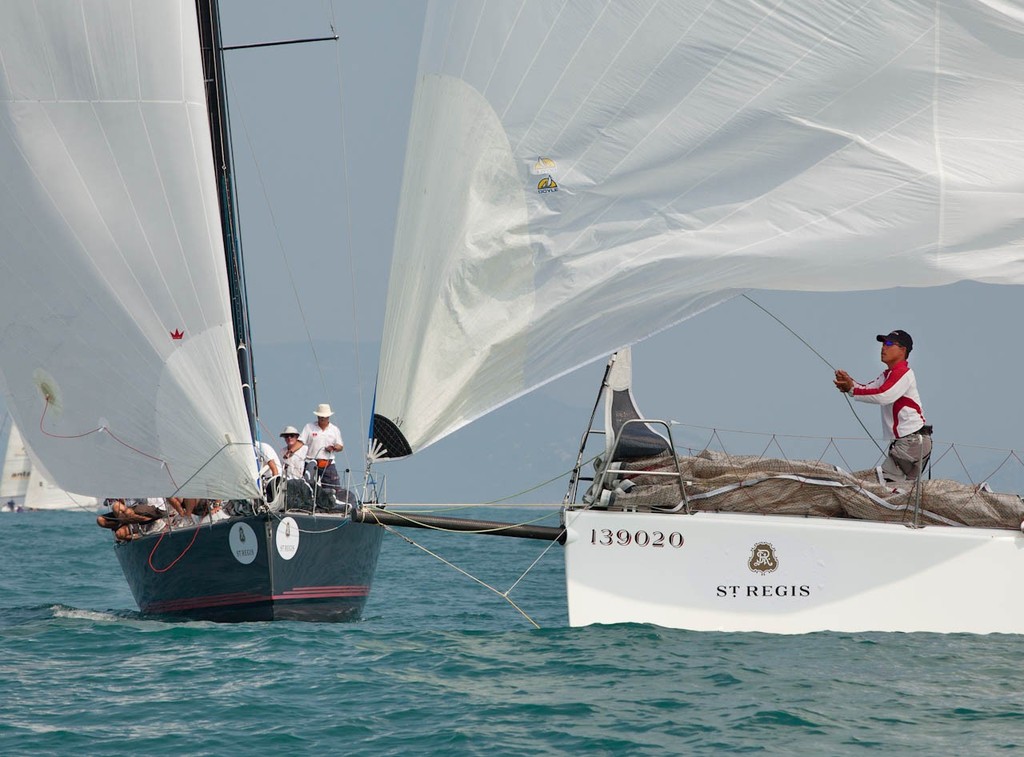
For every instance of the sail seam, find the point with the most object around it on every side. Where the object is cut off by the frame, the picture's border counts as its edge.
(472, 40)
(504, 46)
(678, 197)
(600, 79)
(939, 168)
(654, 70)
(533, 62)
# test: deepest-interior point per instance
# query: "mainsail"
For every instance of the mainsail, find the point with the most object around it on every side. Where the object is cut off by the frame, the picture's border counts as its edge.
(116, 357)
(581, 175)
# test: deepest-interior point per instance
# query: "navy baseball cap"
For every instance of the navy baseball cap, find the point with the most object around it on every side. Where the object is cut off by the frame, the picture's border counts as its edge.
(899, 336)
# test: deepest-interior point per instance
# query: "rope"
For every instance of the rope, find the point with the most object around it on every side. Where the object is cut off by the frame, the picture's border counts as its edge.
(532, 565)
(823, 359)
(543, 483)
(504, 595)
(284, 514)
(109, 433)
(166, 530)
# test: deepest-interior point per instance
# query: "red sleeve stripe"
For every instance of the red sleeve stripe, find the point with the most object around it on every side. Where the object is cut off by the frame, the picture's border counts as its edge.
(895, 375)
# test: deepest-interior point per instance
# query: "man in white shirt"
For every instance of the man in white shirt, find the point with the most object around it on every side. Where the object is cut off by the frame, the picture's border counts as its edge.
(321, 440)
(267, 460)
(293, 454)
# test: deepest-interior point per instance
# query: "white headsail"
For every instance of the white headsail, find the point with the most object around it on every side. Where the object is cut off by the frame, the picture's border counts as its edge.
(583, 174)
(17, 470)
(43, 494)
(116, 348)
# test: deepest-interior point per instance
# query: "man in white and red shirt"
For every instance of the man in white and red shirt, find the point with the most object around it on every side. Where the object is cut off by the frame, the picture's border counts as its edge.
(903, 420)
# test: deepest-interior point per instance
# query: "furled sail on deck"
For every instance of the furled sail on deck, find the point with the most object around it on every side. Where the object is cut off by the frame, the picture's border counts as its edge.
(581, 174)
(116, 349)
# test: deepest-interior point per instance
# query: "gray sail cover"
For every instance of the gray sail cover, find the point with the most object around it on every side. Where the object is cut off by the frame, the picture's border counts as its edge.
(116, 349)
(582, 174)
(625, 438)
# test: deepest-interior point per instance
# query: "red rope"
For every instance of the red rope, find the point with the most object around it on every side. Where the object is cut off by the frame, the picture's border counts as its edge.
(112, 435)
(176, 559)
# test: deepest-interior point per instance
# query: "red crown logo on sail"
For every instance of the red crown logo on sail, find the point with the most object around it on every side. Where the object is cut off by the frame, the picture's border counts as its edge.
(177, 334)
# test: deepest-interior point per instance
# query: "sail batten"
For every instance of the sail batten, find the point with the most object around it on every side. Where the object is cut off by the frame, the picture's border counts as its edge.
(117, 353)
(582, 175)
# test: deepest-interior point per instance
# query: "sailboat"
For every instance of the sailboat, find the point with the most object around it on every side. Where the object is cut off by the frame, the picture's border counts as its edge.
(25, 486)
(125, 357)
(43, 494)
(581, 176)
(16, 473)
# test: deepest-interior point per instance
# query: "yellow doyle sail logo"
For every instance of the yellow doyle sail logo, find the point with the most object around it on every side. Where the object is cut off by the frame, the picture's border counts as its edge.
(762, 559)
(547, 184)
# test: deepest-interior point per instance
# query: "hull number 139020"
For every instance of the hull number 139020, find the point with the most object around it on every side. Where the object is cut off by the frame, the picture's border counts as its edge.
(605, 537)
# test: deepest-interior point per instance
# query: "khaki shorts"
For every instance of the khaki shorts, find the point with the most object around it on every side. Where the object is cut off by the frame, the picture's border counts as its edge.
(907, 456)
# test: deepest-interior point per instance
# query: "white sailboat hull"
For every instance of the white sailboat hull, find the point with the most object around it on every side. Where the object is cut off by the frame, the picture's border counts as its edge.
(828, 575)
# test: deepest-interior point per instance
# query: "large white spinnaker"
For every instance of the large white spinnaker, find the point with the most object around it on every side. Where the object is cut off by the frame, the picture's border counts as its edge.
(116, 349)
(582, 174)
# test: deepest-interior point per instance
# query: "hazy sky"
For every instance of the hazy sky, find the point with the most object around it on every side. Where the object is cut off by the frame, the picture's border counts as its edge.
(318, 229)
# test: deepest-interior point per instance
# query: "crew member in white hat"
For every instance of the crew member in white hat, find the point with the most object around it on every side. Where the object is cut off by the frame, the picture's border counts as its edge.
(321, 440)
(293, 454)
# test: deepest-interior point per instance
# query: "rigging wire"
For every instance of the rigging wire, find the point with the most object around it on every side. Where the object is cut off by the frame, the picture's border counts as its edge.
(503, 594)
(353, 291)
(823, 359)
(277, 236)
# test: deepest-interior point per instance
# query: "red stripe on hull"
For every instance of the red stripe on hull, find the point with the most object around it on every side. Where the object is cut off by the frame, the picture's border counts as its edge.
(222, 600)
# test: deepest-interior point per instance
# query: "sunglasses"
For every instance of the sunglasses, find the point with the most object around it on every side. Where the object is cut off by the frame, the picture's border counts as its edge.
(889, 342)
(290, 436)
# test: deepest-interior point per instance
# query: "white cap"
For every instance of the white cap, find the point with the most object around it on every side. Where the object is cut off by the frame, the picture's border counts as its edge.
(323, 410)
(290, 430)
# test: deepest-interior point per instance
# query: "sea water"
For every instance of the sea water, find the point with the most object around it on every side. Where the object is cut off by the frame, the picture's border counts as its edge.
(443, 665)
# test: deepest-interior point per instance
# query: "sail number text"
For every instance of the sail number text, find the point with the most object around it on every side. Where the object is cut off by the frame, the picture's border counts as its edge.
(605, 537)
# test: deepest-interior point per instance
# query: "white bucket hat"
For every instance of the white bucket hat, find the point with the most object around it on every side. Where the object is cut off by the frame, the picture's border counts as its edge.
(323, 410)
(290, 430)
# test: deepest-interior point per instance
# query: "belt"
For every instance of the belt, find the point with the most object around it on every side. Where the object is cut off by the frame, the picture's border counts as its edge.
(923, 431)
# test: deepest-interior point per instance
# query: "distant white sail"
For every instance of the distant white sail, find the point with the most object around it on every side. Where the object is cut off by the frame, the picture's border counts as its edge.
(583, 174)
(117, 356)
(17, 470)
(43, 494)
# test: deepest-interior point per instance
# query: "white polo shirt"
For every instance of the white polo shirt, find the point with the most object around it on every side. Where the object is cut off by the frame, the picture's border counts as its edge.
(317, 439)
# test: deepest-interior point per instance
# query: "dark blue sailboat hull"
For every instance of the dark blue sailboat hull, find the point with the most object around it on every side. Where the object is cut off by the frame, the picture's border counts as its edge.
(291, 566)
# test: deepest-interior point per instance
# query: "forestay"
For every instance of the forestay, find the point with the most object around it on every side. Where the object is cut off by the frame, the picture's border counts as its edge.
(116, 349)
(583, 174)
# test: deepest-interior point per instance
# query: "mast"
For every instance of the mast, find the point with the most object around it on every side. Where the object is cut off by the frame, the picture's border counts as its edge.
(208, 13)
